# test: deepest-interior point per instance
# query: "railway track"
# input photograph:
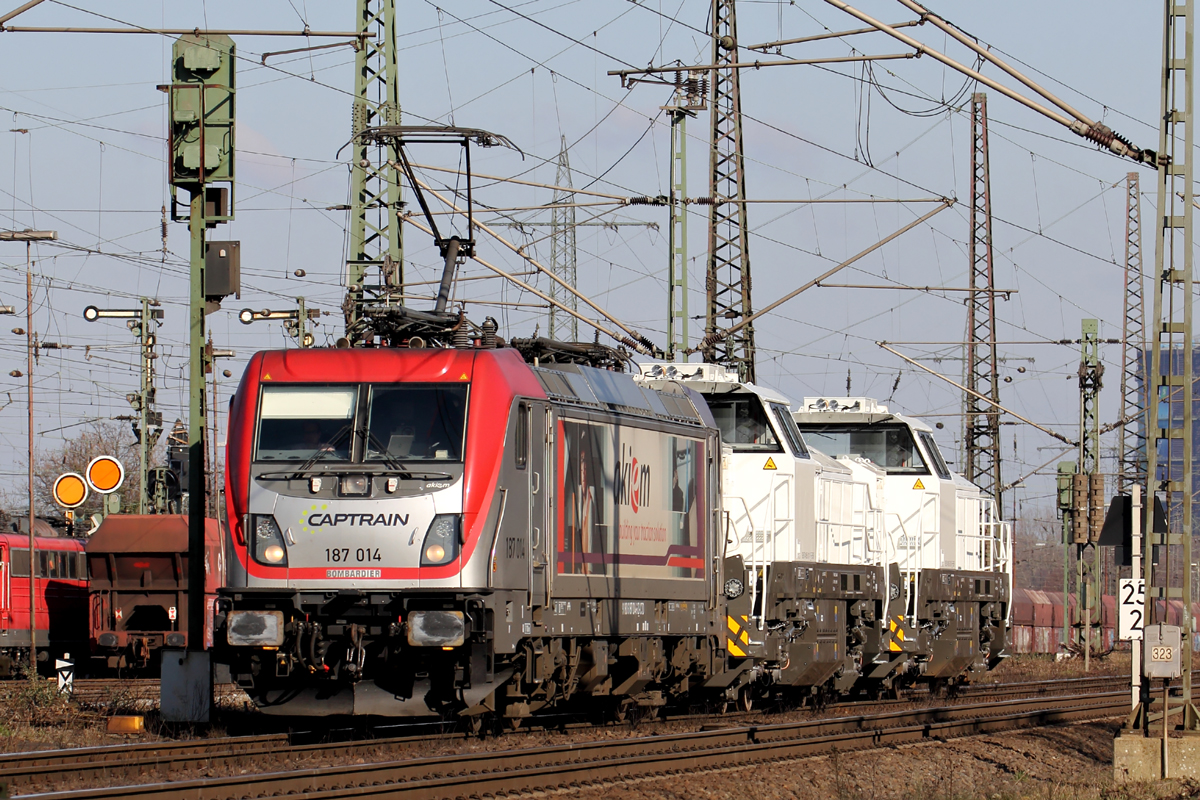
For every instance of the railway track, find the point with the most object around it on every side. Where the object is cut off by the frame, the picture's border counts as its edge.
(57, 769)
(565, 766)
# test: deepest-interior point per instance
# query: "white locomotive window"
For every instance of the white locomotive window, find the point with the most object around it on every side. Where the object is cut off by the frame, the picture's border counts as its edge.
(298, 423)
(935, 455)
(889, 446)
(790, 432)
(416, 421)
(743, 423)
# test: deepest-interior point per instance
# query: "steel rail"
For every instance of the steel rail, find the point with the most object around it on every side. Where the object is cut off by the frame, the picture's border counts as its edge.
(550, 767)
(120, 762)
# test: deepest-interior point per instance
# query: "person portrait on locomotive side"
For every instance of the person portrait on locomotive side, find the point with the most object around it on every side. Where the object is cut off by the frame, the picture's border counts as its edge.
(685, 478)
(583, 541)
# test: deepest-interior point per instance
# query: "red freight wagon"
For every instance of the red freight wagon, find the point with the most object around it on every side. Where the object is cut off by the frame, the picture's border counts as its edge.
(139, 569)
(60, 592)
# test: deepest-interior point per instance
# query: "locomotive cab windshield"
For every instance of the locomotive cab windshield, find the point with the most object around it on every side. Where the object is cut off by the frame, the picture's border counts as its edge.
(362, 423)
(890, 447)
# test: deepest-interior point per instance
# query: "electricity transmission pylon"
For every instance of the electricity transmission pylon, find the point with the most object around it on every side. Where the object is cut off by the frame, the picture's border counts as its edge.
(563, 253)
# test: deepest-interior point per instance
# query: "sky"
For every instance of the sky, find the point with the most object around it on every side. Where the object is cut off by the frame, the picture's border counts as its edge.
(84, 154)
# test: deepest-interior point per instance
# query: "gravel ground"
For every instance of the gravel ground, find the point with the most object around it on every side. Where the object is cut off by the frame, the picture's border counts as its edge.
(1070, 762)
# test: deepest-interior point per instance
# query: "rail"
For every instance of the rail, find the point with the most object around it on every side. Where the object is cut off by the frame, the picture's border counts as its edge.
(128, 762)
(548, 768)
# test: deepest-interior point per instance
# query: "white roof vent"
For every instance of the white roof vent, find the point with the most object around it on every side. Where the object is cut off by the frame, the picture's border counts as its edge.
(867, 405)
(688, 372)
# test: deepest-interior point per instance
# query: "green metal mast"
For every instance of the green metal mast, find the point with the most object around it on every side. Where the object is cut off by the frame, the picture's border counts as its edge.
(1088, 486)
(202, 95)
(1170, 410)
(689, 98)
(374, 264)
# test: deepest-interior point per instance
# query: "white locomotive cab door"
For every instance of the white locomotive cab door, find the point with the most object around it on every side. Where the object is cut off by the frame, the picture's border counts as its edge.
(541, 545)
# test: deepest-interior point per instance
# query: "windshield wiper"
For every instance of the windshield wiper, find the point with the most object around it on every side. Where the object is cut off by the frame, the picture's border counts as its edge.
(325, 448)
(387, 457)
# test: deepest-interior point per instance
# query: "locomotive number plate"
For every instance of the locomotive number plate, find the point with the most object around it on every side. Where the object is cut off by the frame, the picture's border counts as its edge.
(353, 573)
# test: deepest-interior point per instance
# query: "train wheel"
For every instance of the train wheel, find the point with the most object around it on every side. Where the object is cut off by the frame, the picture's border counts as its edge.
(619, 712)
(475, 724)
(745, 699)
(514, 722)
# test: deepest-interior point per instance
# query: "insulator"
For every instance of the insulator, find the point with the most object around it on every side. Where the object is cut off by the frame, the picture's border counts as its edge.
(489, 333)
(630, 343)
(1100, 134)
(462, 336)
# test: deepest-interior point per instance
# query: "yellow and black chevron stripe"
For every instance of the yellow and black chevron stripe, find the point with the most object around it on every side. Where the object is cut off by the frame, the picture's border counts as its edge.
(895, 634)
(738, 641)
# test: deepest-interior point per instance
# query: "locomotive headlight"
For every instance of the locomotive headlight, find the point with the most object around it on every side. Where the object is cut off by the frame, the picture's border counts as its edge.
(267, 542)
(356, 485)
(441, 540)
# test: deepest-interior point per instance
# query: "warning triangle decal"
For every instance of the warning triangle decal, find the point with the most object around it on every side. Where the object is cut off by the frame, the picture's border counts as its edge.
(770, 463)
(918, 484)
(463, 377)
(267, 377)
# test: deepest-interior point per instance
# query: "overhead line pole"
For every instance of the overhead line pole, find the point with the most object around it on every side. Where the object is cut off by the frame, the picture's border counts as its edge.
(983, 374)
(727, 282)
(1132, 469)
(29, 237)
(375, 263)
(688, 98)
(1172, 351)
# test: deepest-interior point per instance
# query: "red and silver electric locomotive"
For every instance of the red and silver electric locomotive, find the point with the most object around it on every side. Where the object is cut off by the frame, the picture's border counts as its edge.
(420, 531)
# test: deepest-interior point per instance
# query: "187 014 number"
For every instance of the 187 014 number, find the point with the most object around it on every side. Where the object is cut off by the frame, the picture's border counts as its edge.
(341, 555)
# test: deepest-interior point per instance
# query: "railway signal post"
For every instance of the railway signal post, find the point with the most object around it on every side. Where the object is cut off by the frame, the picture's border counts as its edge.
(202, 98)
(148, 426)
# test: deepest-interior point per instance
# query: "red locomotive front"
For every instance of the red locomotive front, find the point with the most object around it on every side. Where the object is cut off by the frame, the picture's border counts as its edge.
(420, 531)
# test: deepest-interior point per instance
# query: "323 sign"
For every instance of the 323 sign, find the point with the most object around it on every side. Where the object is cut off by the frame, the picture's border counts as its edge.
(1132, 607)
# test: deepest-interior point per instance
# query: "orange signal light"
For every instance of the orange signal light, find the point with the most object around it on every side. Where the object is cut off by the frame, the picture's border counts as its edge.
(70, 490)
(105, 474)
